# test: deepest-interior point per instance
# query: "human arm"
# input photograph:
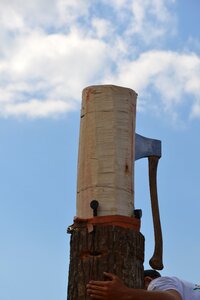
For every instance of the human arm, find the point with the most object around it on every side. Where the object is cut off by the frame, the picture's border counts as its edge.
(115, 289)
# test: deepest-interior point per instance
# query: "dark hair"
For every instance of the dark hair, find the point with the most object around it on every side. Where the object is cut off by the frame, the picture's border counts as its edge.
(152, 273)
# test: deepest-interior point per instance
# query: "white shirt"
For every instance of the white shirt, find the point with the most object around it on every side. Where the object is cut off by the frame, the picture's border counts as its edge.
(187, 290)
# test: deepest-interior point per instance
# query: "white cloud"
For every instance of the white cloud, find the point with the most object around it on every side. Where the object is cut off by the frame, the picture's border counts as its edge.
(53, 49)
(70, 10)
(152, 19)
(39, 109)
(174, 76)
(146, 20)
(46, 67)
(102, 27)
(46, 14)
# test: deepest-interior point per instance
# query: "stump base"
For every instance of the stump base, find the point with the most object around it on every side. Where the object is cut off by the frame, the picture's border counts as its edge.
(107, 248)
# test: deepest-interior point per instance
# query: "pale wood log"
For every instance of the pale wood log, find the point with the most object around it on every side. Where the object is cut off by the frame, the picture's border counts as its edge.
(106, 151)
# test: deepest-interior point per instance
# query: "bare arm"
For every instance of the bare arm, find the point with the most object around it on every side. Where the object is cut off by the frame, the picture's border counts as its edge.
(115, 289)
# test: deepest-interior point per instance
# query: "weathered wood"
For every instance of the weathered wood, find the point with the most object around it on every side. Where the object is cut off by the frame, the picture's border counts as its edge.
(105, 249)
(106, 151)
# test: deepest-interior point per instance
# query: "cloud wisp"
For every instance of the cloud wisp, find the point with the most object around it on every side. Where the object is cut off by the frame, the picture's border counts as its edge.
(51, 52)
(173, 76)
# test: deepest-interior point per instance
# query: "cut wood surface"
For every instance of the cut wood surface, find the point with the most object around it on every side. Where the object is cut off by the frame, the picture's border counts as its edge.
(106, 151)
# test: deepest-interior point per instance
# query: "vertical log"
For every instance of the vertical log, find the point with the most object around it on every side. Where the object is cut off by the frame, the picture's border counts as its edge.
(106, 152)
(106, 173)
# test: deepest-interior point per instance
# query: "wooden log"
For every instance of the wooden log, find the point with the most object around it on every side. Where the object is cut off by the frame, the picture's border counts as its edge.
(106, 249)
(111, 241)
(106, 151)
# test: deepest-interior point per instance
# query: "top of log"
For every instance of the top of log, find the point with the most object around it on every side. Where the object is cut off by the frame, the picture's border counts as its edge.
(114, 88)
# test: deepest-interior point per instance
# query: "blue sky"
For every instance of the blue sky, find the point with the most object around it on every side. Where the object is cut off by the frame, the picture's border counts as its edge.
(50, 51)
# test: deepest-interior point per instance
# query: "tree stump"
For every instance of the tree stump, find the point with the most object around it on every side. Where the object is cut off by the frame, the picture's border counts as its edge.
(106, 249)
(106, 175)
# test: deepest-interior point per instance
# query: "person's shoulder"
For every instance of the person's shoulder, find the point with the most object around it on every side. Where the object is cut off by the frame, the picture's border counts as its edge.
(165, 283)
(165, 279)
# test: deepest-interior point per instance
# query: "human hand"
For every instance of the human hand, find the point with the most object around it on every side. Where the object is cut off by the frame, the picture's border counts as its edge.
(107, 290)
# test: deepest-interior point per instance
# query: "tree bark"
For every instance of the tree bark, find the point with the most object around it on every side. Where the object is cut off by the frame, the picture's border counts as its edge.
(106, 249)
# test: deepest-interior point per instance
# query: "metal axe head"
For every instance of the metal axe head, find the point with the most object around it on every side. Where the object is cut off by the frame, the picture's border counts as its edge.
(145, 147)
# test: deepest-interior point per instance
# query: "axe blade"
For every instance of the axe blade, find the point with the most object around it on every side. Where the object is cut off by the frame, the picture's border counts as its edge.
(145, 147)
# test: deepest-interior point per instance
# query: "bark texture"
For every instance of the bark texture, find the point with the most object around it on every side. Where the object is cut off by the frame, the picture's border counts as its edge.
(106, 249)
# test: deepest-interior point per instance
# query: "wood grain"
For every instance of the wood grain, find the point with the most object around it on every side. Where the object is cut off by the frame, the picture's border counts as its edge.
(106, 151)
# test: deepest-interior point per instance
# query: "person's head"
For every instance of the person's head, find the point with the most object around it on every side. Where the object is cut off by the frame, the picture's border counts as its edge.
(149, 275)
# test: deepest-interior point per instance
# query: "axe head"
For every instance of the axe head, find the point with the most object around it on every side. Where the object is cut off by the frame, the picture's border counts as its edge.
(145, 147)
(151, 148)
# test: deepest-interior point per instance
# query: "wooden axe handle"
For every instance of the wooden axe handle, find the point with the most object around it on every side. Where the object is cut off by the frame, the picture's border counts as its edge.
(156, 260)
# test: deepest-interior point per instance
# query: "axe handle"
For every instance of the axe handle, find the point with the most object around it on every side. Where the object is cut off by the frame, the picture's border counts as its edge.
(156, 260)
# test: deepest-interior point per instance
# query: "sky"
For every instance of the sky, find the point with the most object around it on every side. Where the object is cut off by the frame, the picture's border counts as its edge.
(49, 52)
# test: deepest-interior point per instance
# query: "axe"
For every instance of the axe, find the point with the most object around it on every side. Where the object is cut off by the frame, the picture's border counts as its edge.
(151, 148)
